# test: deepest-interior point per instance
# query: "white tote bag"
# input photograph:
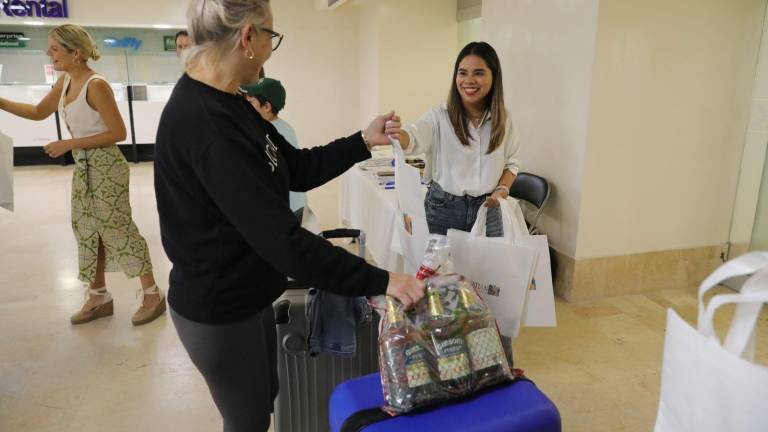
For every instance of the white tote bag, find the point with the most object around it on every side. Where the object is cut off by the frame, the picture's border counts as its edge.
(6, 172)
(539, 306)
(502, 269)
(408, 188)
(707, 386)
(413, 241)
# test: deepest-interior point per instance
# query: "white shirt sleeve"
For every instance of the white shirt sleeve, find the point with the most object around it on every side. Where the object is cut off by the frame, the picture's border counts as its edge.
(511, 147)
(421, 134)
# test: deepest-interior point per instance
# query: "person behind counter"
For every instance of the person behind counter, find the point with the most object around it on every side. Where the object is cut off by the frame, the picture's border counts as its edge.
(470, 145)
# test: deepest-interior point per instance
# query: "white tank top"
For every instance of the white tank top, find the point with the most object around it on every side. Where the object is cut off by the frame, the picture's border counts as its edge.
(81, 120)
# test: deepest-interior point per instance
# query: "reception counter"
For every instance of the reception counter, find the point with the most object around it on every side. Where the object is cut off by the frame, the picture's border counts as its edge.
(140, 106)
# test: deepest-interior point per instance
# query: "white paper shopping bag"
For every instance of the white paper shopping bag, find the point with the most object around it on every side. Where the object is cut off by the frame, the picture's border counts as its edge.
(709, 387)
(502, 271)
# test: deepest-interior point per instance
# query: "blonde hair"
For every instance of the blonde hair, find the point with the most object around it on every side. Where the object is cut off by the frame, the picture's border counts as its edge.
(73, 38)
(217, 24)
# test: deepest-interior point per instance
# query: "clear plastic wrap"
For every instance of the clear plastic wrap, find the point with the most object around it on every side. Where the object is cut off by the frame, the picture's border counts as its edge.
(437, 257)
(447, 349)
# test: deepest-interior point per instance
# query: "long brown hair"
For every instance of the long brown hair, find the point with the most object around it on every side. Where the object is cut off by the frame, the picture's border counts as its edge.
(494, 101)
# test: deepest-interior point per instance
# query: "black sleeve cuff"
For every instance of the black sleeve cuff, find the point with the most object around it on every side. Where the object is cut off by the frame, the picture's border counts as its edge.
(379, 282)
(361, 150)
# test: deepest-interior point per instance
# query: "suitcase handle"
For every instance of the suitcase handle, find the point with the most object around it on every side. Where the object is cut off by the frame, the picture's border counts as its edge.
(347, 233)
(282, 312)
(341, 233)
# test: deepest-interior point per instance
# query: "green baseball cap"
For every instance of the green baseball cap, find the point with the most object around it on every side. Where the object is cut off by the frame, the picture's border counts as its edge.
(269, 89)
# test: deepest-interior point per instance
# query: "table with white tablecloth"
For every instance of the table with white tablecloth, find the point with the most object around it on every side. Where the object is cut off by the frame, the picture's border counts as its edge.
(366, 205)
(6, 172)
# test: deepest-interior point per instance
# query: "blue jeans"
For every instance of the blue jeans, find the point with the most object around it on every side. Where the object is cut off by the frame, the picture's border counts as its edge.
(445, 211)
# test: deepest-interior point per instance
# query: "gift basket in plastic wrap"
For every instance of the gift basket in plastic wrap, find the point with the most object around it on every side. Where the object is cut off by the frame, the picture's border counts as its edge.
(446, 347)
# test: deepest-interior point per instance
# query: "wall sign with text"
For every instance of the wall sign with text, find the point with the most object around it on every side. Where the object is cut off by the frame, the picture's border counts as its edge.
(12, 40)
(34, 8)
(169, 43)
(124, 42)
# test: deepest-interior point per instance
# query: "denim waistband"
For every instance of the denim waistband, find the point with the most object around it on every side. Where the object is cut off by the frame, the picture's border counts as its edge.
(437, 189)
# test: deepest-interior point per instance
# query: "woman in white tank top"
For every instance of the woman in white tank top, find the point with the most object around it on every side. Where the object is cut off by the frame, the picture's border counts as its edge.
(107, 237)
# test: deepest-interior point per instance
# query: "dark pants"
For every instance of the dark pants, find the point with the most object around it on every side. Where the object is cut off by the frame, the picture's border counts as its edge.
(239, 364)
(445, 211)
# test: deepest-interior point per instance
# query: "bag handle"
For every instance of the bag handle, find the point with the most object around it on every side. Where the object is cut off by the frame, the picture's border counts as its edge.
(749, 302)
(478, 229)
(481, 222)
(741, 338)
(746, 264)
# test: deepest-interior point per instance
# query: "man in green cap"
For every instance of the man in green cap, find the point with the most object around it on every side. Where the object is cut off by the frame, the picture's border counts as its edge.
(267, 95)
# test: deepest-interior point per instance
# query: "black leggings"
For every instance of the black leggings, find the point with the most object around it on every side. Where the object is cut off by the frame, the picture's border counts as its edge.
(239, 364)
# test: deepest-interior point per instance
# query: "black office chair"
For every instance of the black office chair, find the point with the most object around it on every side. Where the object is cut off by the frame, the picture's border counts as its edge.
(533, 190)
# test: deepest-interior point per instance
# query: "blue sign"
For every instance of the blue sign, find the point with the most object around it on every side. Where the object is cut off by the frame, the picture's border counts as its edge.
(126, 42)
(35, 8)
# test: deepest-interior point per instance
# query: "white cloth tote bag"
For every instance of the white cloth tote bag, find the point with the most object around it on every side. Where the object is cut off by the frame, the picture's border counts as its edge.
(501, 269)
(539, 308)
(707, 386)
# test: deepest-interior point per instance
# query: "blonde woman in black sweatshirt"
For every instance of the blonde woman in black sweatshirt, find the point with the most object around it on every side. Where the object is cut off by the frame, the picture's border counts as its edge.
(222, 176)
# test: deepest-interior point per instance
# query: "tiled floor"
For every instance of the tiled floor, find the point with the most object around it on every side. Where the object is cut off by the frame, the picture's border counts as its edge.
(601, 365)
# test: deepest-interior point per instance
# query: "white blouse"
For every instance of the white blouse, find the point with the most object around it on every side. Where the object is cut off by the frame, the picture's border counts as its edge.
(458, 169)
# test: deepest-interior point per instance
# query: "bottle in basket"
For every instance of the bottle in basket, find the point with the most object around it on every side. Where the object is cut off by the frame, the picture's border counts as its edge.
(405, 357)
(436, 256)
(449, 346)
(486, 354)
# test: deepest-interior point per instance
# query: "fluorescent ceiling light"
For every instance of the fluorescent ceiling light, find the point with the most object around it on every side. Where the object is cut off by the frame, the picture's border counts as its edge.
(34, 23)
(162, 26)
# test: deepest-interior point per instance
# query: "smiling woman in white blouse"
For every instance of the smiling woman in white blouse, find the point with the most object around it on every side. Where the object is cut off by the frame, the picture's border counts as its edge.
(469, 144)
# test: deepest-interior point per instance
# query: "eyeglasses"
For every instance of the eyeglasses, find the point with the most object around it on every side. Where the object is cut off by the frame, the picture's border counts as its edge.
(277, 38)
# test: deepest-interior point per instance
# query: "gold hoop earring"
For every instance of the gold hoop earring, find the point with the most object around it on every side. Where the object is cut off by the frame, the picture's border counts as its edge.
(249, 54)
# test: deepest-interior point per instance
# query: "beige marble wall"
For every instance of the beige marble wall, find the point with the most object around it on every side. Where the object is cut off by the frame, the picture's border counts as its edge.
(589, 279)
(738, 249)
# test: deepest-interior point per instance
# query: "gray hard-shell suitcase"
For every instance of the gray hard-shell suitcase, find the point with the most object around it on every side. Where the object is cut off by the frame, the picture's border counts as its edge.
(306, 382)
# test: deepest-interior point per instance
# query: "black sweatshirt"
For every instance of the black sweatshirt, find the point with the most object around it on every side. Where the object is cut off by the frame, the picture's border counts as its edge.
(222, 176)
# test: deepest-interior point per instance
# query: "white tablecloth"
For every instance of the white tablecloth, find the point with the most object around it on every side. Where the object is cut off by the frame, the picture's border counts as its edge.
(365, 205)
(6, 172)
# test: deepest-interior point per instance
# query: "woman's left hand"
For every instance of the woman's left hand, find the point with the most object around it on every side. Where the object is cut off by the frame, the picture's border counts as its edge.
(496, 196)
(382, 129)
(57, 148)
